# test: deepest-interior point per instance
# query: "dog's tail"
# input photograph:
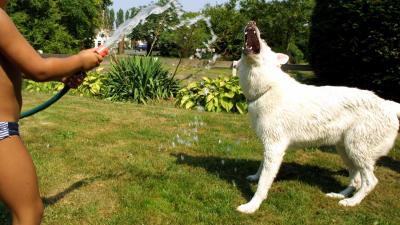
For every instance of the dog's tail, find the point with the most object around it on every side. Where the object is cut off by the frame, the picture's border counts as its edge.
(395, 107)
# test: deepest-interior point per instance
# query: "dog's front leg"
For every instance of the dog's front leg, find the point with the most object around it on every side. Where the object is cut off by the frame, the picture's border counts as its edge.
(273, 156)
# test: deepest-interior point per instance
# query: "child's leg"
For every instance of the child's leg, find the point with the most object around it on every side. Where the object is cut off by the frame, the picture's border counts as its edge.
(18, 182)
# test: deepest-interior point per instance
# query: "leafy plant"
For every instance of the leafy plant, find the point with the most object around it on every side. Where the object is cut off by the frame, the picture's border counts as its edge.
(48, 87)
(139, 79)
(91, 86)
(214, 95)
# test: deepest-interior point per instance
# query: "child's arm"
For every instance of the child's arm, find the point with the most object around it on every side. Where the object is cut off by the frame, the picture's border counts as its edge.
(17, 49)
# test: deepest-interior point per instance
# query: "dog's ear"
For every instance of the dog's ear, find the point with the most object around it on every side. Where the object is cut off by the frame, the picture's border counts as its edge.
(282, 58)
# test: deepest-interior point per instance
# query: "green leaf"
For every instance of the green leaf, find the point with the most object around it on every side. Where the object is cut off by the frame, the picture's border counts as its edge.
(189, 105)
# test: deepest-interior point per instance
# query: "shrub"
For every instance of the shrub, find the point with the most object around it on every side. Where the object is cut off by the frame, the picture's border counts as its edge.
(214, 95)
(90, 87)
(357, 43)
(138, 79)
(93, 84)
(48, 87)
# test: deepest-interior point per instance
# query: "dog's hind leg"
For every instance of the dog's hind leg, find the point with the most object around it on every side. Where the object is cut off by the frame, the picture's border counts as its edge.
(368, 183)
(273, 156)
(354, 174)
(256, 176)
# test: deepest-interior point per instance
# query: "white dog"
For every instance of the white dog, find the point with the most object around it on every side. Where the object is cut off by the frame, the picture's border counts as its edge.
(284, 113)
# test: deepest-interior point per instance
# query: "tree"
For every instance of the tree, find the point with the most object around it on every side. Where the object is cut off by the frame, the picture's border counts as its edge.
(183, 41)
(127, 15)
(228, 24)
(120, 18)
(151, 30)
(111, 19)
(108, 19)
(357, 43)
(57, 26)
(284, 24)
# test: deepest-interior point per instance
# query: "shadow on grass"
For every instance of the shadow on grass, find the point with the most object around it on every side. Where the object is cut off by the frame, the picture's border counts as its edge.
(236, 170)
(5, 215)
(389, 163)
(48, 201)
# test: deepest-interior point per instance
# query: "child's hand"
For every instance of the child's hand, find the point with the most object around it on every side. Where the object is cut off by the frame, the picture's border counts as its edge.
(90, 59)
(75, 80)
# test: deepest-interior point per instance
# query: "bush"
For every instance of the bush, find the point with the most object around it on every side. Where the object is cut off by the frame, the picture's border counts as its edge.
(48, 87)
(213, 95)
(90, 87)
(357, 43)
(138, 79)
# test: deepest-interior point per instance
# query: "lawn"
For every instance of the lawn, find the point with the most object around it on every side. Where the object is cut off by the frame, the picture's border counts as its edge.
(117, 163)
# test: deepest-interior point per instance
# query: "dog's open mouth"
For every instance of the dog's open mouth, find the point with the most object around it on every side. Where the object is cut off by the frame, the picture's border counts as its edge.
(251, 40)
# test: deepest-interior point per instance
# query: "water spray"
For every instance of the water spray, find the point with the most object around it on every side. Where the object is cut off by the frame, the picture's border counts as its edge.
(125, 29)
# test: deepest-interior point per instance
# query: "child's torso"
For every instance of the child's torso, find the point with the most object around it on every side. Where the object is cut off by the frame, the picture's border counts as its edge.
(10, 91)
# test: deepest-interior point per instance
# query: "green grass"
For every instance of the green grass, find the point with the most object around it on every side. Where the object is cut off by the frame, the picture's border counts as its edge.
(117, 163)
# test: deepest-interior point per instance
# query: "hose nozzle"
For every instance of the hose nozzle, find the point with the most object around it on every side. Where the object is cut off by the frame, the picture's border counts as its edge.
(102, 50)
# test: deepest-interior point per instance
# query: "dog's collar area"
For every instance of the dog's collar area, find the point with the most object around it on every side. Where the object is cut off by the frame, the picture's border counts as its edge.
(258, 96)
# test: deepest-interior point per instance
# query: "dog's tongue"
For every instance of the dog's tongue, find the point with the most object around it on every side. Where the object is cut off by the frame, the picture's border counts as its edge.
(252, 44)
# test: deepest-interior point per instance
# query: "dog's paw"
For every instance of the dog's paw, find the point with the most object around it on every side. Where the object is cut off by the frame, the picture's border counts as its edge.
(248, 208)
(335, 195)
(349, 202)
(253, 178)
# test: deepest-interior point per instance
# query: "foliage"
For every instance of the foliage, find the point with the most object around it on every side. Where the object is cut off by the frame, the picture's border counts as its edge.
(227, 23)
(357, 43)
(214, 95)
(284, 24)
(90, 87)
(138, 79)
(120, 17)
(151, 30)
(93, 84)
(108, 19)
(47, 87)
(183, 41)
(57, 26)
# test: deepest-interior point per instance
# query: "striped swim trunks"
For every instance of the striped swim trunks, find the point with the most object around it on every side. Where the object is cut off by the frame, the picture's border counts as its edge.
(8, 129)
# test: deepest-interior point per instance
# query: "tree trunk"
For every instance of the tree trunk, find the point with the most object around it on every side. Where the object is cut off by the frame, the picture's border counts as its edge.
(121, 46)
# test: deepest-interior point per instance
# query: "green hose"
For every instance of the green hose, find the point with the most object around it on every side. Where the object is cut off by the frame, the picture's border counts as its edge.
(46, 104)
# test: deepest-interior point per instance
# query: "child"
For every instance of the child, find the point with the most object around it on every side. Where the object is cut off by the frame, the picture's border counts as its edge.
(18, 180)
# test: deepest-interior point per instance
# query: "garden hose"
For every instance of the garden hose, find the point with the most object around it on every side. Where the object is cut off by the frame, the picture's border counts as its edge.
(101, 50)
(46, 104)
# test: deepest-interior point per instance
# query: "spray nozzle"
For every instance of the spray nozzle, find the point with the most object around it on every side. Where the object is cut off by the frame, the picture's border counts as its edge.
(102, 50)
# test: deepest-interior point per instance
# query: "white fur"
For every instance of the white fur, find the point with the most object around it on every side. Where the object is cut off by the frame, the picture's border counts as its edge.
(285, 113)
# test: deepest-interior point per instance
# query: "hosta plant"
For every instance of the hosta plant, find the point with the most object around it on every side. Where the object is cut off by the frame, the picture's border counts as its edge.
(213, 95)
(139, 79)
(91, 86)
